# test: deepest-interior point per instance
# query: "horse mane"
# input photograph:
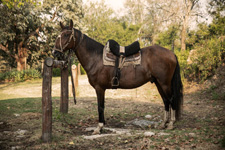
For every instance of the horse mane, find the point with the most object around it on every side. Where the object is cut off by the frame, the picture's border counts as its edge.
(92, 46)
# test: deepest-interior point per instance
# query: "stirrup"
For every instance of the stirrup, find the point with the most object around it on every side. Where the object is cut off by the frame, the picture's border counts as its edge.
(115, 82)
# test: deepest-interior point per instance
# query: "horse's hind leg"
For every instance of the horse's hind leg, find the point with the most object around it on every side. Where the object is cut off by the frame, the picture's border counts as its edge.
(169, 106)
(172, 119)
(166, 104)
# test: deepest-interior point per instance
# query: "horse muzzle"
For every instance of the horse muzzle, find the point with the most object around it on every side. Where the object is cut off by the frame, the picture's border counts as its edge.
(57, 54)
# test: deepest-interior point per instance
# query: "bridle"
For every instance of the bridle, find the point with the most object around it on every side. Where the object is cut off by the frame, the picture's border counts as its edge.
(60, 41)
(61, 50)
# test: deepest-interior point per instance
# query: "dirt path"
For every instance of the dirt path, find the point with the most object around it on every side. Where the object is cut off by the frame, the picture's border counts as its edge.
(202, 126)
(34, 89)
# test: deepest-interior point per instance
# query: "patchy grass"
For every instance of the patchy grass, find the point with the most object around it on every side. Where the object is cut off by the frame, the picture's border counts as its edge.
(68, 129)
(21, 105)
(202, 125)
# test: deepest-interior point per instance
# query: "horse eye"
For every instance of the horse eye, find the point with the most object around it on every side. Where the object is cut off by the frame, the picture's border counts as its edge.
(66, 35)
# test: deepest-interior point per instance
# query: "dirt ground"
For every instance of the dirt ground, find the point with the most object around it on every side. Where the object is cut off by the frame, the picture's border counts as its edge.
(202, 125)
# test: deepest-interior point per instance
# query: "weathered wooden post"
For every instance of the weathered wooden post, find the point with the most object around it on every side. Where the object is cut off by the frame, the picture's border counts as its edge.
(74, 70)
(78, 68)
(64, 90)
(47, 101)
(49, 63)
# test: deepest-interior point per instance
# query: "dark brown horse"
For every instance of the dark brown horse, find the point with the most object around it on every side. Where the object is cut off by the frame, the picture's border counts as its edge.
(158, 65)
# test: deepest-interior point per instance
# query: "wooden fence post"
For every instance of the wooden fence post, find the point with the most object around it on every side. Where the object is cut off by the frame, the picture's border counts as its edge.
(74, 70)
(49, 63)
(64, 90)
(47, 101)
(78, 68)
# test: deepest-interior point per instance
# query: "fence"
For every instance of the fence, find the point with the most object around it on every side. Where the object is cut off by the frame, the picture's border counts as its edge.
(49, 64)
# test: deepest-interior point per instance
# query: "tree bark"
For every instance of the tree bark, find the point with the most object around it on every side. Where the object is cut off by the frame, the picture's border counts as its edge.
(189, 5)
(21, 63)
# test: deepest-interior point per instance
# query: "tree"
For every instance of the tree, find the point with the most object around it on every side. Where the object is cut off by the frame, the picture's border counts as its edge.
(54, 11)
(216, 10)
(29, 30)
(158, 16)
(197, 36)
(18, 28)
(135, 9)
(187, 7)
(168, 37)
(16, 3)
(102, 26)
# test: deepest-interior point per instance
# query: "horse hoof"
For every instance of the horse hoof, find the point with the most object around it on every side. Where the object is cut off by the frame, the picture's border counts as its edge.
(98, 129)
(170, 127)
(163, 126)
(96, 132)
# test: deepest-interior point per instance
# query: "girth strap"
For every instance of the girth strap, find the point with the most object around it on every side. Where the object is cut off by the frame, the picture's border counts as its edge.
(119, 62)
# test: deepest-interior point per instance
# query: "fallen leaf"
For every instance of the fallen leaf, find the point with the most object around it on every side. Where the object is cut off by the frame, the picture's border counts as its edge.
(71, 143)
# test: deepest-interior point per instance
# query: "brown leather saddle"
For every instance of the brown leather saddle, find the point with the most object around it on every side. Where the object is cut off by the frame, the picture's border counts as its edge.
(119, 57)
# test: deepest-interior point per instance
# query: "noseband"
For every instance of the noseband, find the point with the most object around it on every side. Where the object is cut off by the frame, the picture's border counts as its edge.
(60, 41)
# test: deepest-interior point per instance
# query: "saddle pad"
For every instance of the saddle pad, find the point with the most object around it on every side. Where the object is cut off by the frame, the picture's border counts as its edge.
(109, 58)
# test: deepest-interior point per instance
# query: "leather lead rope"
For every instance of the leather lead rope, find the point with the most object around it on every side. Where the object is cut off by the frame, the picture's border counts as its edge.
(73, 87)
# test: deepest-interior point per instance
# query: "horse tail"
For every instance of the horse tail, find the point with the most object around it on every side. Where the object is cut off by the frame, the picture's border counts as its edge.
(177, 89)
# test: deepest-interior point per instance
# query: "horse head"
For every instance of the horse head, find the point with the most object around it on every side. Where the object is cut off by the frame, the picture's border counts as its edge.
(65, 41)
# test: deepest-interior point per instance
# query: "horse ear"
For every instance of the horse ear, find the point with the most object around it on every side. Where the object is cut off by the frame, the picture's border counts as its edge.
(71, 24)
(61, 25)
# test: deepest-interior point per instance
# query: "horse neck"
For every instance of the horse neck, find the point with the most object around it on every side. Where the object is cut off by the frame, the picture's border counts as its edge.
(89, 53)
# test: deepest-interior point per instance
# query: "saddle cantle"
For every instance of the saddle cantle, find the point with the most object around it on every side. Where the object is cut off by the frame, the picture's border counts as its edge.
(126, 51)
(119, 57)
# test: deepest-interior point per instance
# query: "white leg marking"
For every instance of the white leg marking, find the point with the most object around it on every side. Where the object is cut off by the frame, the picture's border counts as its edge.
(98, 129)
(172, 119)
(165, 120)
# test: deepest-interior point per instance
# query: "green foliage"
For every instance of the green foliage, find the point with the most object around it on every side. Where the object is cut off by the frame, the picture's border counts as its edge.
(217, 26)
(182, 59)
(168, 37)
(35, 26)
(17, 25)
(195, 37)
(216, 10)
(205, 60)
(102, 26)
(16, 3)
(17, 76)
(82, 71)
(56, 72)
(59, 10)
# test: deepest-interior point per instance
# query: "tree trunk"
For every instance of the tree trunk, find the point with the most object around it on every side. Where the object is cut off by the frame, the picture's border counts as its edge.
(21, 58)
(21, 63)
(189, 5)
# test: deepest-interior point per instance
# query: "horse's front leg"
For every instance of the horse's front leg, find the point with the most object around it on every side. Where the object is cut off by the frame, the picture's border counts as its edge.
(101, 105)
